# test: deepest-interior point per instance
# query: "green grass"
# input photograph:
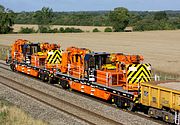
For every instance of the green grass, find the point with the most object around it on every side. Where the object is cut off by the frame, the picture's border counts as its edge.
(3, 116)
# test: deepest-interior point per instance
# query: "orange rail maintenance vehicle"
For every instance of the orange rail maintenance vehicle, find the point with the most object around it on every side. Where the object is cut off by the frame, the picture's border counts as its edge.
(108, 76)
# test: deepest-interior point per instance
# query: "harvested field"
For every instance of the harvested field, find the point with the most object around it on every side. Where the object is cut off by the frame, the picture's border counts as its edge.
(171, 85)
(160, 48)
(17, 27)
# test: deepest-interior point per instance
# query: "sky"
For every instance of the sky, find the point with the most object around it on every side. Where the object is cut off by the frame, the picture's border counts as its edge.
(91, 5)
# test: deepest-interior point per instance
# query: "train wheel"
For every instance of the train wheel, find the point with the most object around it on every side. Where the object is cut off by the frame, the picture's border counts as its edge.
(45, 77)
(152, 112)
(64, 84)
(13, 67)
(40, 76)
(131, 107)
(59, 82)
(168, 117)
(118, 102)
(51, 79)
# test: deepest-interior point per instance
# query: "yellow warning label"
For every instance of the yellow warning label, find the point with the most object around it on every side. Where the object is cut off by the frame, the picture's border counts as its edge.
(138, 73)
(54, 57)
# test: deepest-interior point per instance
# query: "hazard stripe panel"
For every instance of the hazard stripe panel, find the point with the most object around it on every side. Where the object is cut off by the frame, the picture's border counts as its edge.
(54, 57)
(138, 73)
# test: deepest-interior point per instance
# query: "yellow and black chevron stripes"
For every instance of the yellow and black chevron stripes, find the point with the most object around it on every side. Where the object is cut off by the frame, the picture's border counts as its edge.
(54, 57)
(138, 73)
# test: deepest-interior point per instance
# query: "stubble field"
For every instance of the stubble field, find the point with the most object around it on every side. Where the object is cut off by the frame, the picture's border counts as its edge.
(17, 27)
(160, 48)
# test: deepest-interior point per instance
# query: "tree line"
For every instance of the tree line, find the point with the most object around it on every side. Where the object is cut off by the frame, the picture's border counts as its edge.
(6, 20)
(119, 19)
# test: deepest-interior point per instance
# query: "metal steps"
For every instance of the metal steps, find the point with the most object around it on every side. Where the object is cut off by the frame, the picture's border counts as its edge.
(177, 118)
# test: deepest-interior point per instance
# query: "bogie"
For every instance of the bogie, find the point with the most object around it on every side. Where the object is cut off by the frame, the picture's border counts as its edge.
(124, 103)
(167, 116)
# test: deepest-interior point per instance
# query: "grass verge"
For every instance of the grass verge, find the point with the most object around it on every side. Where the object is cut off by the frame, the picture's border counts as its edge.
(11, 115)
(3, 52)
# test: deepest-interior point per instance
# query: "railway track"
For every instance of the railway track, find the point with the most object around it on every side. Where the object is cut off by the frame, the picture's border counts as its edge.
(72, 105)
(64, 106)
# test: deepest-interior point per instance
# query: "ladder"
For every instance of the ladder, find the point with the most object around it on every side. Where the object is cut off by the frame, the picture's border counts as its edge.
(27, 59)
(177, 118)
